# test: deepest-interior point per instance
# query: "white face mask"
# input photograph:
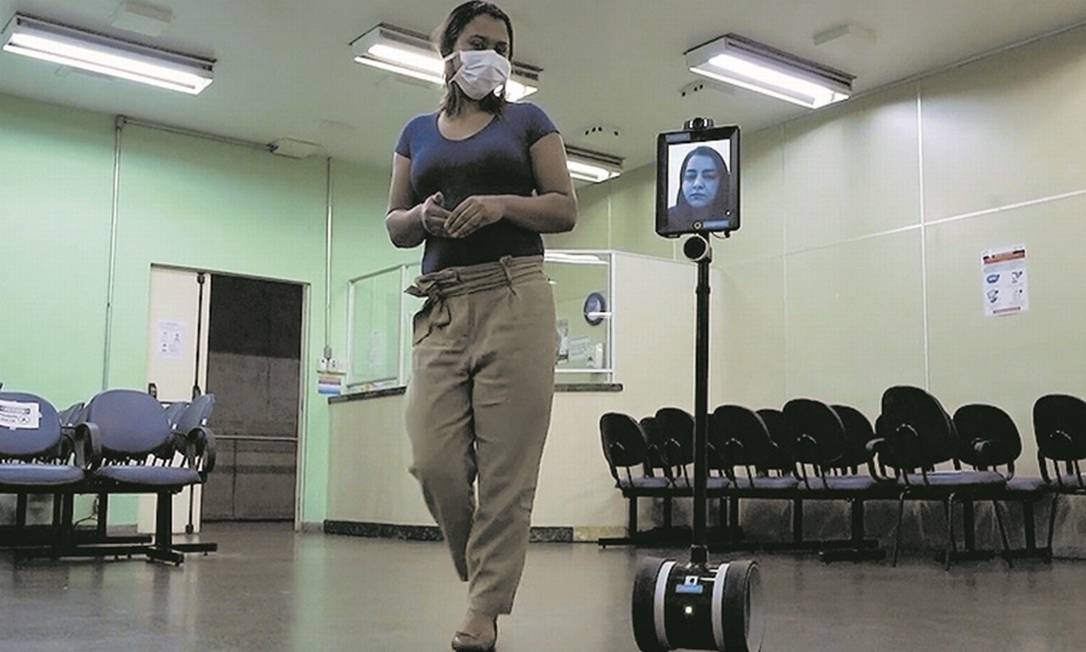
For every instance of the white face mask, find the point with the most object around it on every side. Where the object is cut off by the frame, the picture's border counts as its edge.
(481, 72)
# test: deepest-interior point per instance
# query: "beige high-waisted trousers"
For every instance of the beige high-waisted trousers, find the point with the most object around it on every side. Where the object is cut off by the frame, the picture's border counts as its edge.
(478, 408)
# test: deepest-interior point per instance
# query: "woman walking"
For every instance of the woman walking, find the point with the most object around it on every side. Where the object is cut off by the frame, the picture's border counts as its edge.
(478, 182)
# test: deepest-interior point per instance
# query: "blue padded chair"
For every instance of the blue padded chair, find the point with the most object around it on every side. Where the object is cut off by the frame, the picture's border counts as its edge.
(132, 426)
(196, 414)
(70, 416)
(1059, 425)
(988, 440)
(917, 434)
(174, 411)
(184, 417)
(166, 452)
(195, 417)
(30, 455)
(42, 457)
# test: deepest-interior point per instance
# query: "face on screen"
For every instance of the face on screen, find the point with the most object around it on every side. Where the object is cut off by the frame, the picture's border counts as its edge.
(701, 181)
(697, 187)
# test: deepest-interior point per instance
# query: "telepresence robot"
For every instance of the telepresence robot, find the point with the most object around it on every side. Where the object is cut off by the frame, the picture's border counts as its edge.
(698, 605)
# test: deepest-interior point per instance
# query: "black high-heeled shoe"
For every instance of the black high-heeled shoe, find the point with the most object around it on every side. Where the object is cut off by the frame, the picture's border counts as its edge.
(465, 642)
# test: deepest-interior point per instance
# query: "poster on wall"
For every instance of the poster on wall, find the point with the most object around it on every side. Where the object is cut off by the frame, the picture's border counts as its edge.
(171, 339)
(1004, 281)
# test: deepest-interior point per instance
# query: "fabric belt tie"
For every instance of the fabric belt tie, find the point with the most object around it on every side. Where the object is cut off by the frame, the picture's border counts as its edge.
(458, 281)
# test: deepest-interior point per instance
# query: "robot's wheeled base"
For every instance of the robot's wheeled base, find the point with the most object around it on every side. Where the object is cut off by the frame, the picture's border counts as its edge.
(700, 607)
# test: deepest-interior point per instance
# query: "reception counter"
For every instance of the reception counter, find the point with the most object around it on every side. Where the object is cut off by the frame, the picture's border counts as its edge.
(370, 491)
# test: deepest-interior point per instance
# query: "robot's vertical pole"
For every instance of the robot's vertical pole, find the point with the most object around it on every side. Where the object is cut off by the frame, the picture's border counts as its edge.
(699, 550)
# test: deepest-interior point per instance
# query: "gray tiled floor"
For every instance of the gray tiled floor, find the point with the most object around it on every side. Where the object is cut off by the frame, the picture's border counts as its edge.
(270, 589)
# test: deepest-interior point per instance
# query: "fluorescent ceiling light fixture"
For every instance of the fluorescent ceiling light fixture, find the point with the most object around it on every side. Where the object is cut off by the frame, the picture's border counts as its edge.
(592, 167)
(408, 53)
(739, 61)
(106, 55)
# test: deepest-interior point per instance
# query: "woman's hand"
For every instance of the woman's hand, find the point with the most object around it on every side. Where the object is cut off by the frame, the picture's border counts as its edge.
(434, 217)
(473, 214)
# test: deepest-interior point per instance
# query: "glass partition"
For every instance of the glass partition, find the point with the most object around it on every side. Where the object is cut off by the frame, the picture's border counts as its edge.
(380, 316)
(583, 287)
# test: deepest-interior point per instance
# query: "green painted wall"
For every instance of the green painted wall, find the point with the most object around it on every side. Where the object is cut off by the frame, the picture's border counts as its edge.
(619, 214)
(184, 201)
(56, 167)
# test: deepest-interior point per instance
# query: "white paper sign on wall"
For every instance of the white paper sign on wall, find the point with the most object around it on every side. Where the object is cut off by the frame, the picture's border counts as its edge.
(1004, 281)
(171, 339)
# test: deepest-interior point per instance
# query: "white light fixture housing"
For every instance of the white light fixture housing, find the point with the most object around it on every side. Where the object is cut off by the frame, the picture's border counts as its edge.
(408, 53)
(592, 167)
(293, 148)
(106, 55)
(739, 61)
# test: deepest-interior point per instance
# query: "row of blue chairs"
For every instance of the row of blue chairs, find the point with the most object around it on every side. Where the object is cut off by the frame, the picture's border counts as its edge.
(812, 451)
(120, 442)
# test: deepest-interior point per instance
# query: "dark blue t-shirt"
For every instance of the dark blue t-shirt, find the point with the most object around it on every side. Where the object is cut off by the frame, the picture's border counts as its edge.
(494, 161)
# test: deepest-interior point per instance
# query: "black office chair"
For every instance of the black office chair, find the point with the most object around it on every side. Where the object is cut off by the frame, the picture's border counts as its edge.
(819, 440)
(834, 454)
(672, 433)
(782, 460)
(858, 434)
(1059, 425)
(744, 441)
(656, 464)
(918, 435)
(988, 440)
(625, 448)
(782, 457)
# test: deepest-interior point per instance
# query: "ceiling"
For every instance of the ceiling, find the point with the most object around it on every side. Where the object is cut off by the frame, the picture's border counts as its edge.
(285, 68)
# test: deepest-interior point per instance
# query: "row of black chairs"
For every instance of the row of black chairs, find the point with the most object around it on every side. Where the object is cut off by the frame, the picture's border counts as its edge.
(120, 442)
(813, 451)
